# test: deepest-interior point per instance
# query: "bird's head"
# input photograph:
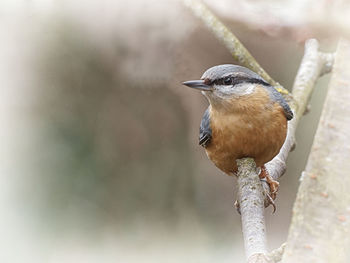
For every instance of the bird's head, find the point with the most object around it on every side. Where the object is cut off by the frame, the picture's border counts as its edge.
(226, 83)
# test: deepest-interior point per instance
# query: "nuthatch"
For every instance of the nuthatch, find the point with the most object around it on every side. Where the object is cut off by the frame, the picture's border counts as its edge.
(246, 117)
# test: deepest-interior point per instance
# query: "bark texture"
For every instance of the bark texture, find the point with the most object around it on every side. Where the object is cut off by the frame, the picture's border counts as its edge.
(320, 229)
(313, 65)
(251, 199)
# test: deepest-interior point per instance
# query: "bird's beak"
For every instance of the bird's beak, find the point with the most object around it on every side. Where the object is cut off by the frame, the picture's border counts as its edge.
(197, 84)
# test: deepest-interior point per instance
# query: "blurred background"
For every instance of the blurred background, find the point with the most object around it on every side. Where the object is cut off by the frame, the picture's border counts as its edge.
(99, 156)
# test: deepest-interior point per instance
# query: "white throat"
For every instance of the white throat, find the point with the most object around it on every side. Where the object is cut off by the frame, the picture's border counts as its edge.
(222, 94)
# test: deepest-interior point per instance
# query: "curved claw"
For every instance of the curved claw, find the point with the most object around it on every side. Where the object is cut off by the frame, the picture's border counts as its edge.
(236, 205)
(273, 184)
(271, 202)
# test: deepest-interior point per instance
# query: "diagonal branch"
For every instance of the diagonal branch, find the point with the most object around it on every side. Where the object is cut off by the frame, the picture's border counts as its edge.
(251, 192)
(313, 65)
(231, 42)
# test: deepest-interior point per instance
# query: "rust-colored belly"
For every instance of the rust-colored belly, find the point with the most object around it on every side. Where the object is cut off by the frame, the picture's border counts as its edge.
(237, 135)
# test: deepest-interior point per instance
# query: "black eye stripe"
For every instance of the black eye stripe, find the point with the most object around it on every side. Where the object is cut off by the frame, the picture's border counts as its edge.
(238, 80)
(227, 80)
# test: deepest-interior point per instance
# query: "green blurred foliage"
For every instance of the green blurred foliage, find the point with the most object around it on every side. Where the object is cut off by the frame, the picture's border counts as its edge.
(112, 150)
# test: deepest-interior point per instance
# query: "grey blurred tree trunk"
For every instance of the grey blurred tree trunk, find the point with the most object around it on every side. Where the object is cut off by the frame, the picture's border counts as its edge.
(320, 229)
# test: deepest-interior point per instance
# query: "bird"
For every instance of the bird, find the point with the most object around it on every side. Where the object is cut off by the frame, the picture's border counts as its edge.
(246, 117)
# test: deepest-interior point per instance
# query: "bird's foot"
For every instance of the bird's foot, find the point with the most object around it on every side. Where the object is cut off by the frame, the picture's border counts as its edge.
(273, 184)
(271, 196)
(270, 202)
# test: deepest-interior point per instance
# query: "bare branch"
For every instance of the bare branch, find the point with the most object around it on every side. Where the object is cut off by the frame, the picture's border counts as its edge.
(276, 255)
(313, 65)
(321, 220)
(231, 42)
(251, 192)
(251, 202)
(291, 20)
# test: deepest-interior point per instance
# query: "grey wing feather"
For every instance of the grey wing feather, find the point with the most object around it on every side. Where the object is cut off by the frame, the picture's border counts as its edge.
(205, 130)
(276, 96)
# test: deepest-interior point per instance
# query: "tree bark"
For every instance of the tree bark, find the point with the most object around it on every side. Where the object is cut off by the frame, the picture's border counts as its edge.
(251, 204)
(320, 229)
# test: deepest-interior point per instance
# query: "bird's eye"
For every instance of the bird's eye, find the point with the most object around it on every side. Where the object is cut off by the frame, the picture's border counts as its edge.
(227, 81)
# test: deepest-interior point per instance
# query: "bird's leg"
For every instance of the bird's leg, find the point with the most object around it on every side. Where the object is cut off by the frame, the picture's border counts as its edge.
(271, 182)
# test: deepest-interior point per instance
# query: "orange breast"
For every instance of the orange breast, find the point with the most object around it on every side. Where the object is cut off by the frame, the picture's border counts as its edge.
(255, 127)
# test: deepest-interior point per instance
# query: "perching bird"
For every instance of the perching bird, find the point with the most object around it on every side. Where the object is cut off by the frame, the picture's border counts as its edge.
(246, 117)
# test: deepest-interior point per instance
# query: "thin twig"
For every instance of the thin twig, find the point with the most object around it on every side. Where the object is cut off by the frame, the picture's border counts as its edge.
(231, 42)
(250, 191)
